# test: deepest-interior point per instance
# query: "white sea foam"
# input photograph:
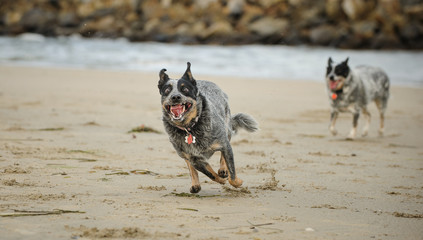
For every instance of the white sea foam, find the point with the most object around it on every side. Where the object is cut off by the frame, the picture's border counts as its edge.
(272, 62)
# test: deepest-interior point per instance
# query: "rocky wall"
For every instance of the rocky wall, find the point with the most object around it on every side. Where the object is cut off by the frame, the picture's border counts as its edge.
(376, 24)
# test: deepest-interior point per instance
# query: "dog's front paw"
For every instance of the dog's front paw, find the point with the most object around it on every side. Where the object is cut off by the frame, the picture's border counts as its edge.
(195, 188)
(236, 183)
(223, 173)
(333, 131)
(352, 134)
(350, 137)
(364, 134)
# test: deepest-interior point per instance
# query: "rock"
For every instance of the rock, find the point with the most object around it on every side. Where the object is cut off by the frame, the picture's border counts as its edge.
(151, 25)
(68, 19)
(352, 9)
(236, 7)
(414, 11)
(351, 42)
(152, 9)
(293, 37)
(204, 4)
(411, 35)
(267, 3)
(385, 41)
(220, 28)
(311, 17)
(101, 24)
(297, 3)
(12, 17)
(166, 3)
(251, 14)
(85, 9)
(365, 29)
(357, 9)
(103, 27)
(183, 29)
(411, 31)
(179, 13)
(198, 29)
(333, 9)
(388, 8)
(39, 20)
(269, 26)
(324, 35)
(103, 12)
(185, 35)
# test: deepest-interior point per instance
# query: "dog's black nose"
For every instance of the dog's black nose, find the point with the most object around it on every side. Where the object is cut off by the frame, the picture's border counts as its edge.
(331, 77)
(176, 97)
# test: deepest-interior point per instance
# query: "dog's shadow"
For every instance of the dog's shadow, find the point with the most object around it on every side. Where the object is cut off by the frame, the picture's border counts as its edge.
(376, 139)
(366, 138)
(225, 191)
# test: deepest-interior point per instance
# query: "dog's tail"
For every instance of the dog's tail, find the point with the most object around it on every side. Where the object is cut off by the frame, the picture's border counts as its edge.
(245, 121)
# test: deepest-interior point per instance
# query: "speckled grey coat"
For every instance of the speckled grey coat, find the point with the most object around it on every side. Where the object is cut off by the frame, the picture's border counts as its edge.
(205, 116)
(361, 86)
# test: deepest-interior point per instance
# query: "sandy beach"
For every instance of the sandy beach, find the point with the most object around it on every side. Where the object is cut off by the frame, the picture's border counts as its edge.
(69, 169)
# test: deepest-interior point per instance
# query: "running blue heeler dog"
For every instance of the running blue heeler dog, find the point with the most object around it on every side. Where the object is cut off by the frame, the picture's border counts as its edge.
(353, 89)
(198, 120)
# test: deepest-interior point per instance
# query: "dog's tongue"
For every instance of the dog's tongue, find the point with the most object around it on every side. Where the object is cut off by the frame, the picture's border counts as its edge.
(333, 84)
(177, 110)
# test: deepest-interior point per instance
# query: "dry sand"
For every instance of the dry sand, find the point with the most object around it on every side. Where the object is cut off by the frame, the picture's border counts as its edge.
(65, 152)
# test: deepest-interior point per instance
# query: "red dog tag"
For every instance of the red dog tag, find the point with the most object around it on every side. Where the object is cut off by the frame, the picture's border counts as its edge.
(334, 96)
(190, 139)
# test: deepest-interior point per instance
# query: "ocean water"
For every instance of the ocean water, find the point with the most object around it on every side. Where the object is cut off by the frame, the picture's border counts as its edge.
(250, 61)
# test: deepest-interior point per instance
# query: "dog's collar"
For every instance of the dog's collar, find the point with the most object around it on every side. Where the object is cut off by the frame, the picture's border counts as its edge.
(188, 129)
(339, 91)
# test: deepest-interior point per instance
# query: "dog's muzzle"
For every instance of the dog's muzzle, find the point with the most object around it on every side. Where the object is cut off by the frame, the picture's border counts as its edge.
(333, 84)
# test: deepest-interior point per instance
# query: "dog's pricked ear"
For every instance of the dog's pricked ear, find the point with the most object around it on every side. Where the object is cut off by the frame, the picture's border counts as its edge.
(163, 78)
(346, 61)
(330, 61)
(188, 75)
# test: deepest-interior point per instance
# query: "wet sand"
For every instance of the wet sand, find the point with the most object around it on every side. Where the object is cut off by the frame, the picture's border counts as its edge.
(69, 169)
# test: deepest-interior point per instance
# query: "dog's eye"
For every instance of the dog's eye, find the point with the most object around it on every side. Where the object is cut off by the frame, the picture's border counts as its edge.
(185, 90)
(167, 91)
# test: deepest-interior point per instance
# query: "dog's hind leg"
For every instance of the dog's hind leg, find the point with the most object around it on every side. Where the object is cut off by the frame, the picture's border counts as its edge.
(333, 117)
(381, 106)
(215, 177)
(195, 182)
(223, 170)
(228, 156)
(366, 127)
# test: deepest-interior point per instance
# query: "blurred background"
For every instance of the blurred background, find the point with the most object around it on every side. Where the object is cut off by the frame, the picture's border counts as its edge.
(289, 39)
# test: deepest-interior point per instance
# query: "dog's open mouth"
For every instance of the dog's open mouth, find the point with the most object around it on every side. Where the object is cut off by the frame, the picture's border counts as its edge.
(177, 111)
(333, 84)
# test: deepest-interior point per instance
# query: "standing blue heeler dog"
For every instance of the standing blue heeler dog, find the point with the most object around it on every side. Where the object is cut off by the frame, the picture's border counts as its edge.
(353, 89)
(198, 120)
